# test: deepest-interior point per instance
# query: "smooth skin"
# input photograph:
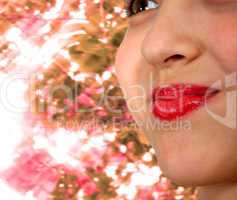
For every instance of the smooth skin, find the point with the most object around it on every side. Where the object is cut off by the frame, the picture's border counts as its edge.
(186, 41)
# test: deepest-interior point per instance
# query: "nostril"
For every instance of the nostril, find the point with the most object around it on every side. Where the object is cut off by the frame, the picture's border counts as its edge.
(174, 58)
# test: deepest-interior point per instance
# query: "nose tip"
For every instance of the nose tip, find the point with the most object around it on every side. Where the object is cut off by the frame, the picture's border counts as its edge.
(175, 52)
(166, 43)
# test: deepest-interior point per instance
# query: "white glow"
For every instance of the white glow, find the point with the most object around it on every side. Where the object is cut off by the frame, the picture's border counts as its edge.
(59, 145)
(11, 130)
(9, 193)
(117, 9)
(13, 34)
(128, 190)
(106, 75)
(45, 29)
(110, 136)
(146, 176)
(111, 171)
(147, 157)
(123, 148)
(74, 67)
(55, 11)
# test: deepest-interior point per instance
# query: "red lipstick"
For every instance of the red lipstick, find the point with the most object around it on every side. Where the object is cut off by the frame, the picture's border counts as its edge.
(173, 101)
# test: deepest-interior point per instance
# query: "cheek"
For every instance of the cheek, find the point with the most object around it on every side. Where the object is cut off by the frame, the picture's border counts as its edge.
(222, 42)
(124, 63)
(123, 67)
(132, 73)
(127, 61)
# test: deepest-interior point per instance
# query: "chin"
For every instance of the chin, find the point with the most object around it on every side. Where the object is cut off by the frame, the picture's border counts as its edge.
(193, 161)
(188, 174)
(195, 174)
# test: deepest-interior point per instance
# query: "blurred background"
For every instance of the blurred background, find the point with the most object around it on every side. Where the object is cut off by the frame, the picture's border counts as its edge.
(66, 133)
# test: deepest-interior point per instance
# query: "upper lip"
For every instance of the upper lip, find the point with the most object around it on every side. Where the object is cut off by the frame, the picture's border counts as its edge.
(173, 91)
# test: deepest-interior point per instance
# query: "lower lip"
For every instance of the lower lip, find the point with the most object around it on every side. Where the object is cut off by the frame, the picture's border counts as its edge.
(176, 100)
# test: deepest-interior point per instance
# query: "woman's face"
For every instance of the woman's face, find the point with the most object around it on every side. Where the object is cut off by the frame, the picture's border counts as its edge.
(191, 42)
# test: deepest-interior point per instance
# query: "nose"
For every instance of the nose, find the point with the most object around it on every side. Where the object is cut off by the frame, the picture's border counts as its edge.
(169, 42)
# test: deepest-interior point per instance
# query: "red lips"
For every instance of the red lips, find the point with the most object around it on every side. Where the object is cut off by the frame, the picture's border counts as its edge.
(175, 100)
